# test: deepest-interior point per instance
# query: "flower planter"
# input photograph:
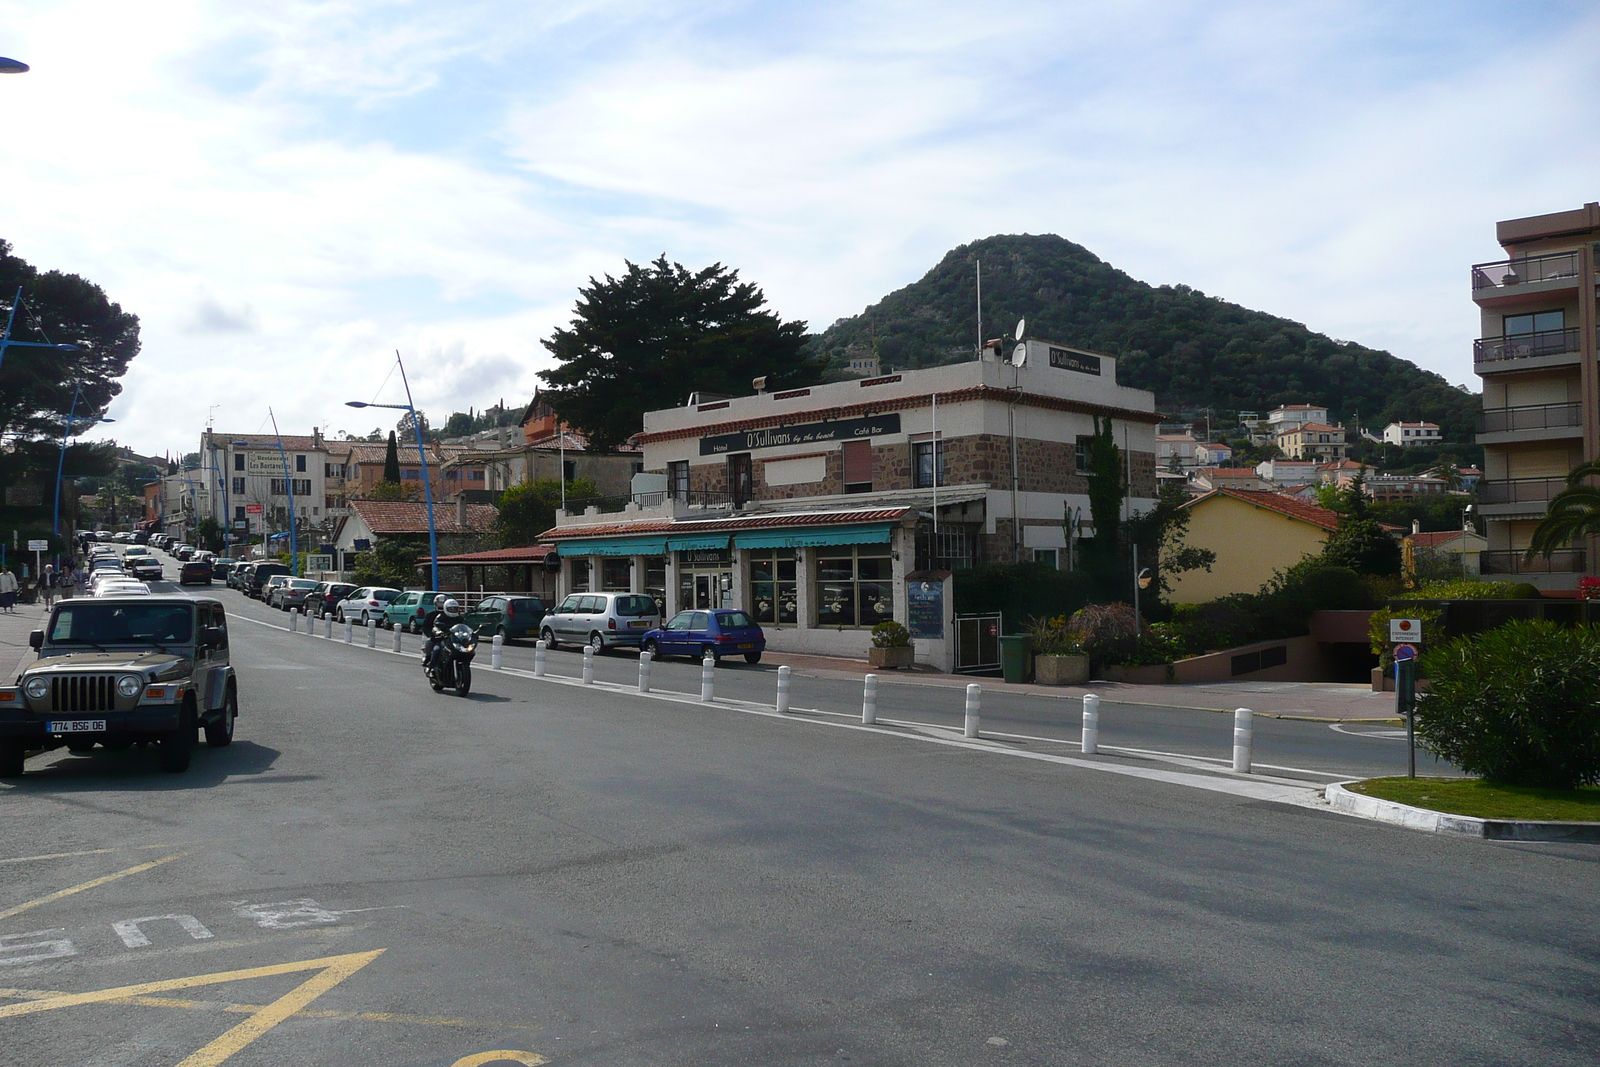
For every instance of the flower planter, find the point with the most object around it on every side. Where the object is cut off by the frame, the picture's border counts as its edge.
(892, 658)
(1060, 670)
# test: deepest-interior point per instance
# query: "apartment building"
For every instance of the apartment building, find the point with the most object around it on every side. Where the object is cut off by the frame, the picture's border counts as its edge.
(811, 508)
(1317, 442)
(1536, 355)
(1410, 434)
(1281, 420)
(248, 481)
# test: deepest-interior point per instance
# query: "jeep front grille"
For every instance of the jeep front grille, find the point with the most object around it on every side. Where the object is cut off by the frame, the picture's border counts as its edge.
(83, 692)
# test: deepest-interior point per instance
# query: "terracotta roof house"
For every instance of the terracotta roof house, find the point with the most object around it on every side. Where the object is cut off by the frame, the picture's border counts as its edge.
(461, 527)
(1467, 545)
(1254, 534)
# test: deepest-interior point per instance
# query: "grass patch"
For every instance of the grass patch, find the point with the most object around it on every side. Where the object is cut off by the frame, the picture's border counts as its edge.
(1486, 800)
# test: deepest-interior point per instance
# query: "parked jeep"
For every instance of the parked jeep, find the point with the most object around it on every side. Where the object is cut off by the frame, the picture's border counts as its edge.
(123, 671)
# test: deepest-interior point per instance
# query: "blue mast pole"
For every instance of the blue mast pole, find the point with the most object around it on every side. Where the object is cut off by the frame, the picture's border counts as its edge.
(288, 488)
(55, 521)
(427, 486)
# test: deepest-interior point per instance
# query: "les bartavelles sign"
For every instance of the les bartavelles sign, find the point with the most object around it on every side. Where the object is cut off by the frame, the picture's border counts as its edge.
(804, 434)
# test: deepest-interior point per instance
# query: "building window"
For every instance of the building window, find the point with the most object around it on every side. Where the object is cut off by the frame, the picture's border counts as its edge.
(1047, 556)
(774, 594)
(740, 479)
(638, 467)
(238, 461)
(314, 510)
(299, 464)
(857, 461)
(580, 576)
(655, 581)
(238, 485)
(411, 474)
(238, 513)
(1537, 322)
(1080, 455)
(922, 464)
(678, 479)
(302, 487)
(474, 476)
(855, 585)
(616, 572)
(569, 470)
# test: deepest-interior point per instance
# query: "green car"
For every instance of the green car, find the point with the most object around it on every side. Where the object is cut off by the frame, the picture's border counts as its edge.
(401, 612)
(510, 615)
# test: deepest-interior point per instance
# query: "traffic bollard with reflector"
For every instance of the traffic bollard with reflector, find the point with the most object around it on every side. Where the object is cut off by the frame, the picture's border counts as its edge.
(708, 668)
(869, 700)
(349, 631)
(494, 652)
(538, 658)
(1243, 737)
(974, 705)
(1091, 724)
(294, 622)
(644, 671)
(588, 664)
(783, 690)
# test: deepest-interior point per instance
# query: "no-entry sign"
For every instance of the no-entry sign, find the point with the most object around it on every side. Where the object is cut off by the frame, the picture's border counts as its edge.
(1406, 631)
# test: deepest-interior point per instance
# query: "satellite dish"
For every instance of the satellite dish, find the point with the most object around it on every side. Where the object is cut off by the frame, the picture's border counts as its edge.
(1022, 324)
(1019, 355)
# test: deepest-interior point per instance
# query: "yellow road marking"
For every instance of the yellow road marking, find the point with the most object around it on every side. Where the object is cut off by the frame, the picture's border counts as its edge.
(305, 1013)
(331, 971)
(91, 884)
(505, 1055)
(85, 852)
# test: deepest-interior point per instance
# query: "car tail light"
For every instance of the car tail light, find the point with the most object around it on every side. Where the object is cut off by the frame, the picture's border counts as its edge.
(511, 611)
(726, 637)
(611, 624)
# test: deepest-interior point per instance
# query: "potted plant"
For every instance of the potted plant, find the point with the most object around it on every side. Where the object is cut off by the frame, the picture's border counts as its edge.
(1058, 654)
(891, 646)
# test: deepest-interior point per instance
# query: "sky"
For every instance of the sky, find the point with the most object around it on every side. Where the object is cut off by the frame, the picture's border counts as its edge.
(287, 193)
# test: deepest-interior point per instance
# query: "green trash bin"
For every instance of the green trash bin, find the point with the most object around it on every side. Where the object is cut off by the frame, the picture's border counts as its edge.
(1016, 657)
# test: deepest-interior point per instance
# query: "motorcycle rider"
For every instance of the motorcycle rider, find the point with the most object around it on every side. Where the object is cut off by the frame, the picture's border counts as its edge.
(429, 611)
(437, 625)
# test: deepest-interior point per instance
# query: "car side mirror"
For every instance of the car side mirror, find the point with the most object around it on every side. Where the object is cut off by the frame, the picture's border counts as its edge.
(36, 640)
(213, 636)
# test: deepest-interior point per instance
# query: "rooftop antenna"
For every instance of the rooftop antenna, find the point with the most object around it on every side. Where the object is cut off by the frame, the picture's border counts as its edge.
(1019, 355)
(979, 263)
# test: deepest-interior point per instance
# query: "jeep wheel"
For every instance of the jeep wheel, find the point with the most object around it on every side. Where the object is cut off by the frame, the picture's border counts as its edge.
(219, 734)
(12, 757)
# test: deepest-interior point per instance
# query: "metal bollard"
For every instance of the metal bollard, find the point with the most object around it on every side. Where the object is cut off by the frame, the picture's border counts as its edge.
(327, 627)
(1243, 736)
(349, 630)
(708, 668)
(869, 700)
(294, 622)
(644, 671)
(538, 658)
(1091, 724)
(494, 652)
(588, 664)
(974, 705)
(783, 690)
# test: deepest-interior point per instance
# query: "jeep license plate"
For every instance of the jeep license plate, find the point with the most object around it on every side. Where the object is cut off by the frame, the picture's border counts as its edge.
(76, 726)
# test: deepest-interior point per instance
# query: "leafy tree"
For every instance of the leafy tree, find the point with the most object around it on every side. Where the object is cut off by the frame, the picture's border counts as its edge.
(208, 531)
(1572, 514)
(408, 426)
(529, 509)
(37, 384)
(1106, 487)
(387, 490)
(392, 562)
(642, 341)
(1360, 542)
(391, 460)
(1159, 534)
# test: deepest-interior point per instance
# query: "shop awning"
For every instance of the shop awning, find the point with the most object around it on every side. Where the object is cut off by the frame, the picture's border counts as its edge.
(876, 533)
(616, 546)
(699, 541)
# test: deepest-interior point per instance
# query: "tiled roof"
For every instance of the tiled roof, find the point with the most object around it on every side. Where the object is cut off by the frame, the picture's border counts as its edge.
(291, 442)
(732, 524)
(1283, 503)
(411, 517)
(1434, 538)
(1316, 427)
(369, 452)
(527, 554)
(1228, 472)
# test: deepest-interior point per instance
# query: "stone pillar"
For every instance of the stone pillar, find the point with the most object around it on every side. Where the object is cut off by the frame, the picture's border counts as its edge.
(805, 562)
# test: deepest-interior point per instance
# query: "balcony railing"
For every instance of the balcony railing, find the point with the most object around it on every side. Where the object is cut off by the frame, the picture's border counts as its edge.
(1532, 417)
(1519, 490)
(1525, 345)
(1504, 273)
(1561, 561)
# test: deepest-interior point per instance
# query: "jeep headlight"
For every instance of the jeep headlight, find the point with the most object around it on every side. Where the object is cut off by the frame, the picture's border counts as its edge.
(129, 685)
(37, 688)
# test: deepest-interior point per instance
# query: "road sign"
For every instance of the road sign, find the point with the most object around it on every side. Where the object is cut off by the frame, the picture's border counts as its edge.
(1402, 653)
(1408, 631)
(38, 546)
(252, 509)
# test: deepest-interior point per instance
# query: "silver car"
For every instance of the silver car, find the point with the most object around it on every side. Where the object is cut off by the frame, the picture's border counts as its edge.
(600, 620)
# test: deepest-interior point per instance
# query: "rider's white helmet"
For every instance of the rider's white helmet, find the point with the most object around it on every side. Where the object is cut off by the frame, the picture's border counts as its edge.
(440, 601)
(451, 608)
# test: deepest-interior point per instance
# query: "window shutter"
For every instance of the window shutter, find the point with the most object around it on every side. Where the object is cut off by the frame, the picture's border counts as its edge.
(857, 462)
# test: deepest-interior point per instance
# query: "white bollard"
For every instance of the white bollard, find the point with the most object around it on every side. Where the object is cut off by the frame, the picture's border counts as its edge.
(294, 622)
(869, 700)
(974, 705)
(327, 627)
(311, 624)
(538, 659)
(372, 634)
(1091, 724)
(494, 652)
(1243, 736)
(588, 664)
(644, 671)
(349, 631)
(783, 690)
(395, 645)
(708, 668)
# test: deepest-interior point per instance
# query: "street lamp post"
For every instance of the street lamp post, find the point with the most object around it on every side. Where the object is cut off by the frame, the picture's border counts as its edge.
(55, 521)
(422, 454)
(5, 339)
(288, 488)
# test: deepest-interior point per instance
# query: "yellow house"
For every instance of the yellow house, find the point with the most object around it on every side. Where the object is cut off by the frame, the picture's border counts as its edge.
(1254, 533)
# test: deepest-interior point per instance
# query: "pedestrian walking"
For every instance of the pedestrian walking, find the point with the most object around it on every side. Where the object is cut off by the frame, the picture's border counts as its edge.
(47, 585)
(8, 592)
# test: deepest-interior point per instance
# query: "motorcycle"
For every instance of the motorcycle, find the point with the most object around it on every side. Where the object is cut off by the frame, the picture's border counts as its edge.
(450, 667)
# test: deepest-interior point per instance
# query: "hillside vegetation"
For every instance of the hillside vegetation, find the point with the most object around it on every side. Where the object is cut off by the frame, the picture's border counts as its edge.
(1191, 350)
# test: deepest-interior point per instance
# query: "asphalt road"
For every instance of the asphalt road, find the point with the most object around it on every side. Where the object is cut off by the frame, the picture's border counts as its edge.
(373, 874)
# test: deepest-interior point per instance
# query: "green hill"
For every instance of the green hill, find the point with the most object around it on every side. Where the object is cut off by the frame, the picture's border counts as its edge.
(1191, 350)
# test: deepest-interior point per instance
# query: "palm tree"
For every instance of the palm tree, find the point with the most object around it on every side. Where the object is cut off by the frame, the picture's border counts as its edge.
(1572, 513)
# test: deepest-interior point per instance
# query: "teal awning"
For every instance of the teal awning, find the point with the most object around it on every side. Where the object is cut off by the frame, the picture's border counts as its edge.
(694, 541)
(811, 537)
(614, 546)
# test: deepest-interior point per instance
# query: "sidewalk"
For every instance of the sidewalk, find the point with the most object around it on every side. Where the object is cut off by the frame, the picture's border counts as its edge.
(1321, 701)
(14, 628)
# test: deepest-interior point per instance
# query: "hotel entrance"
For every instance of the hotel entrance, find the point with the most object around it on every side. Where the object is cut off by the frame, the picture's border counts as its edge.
(705, 579)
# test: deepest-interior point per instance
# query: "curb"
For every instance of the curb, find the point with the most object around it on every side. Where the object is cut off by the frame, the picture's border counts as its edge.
(1440, 822)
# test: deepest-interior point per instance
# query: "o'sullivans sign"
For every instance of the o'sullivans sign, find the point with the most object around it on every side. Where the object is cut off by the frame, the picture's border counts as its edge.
(802, 434)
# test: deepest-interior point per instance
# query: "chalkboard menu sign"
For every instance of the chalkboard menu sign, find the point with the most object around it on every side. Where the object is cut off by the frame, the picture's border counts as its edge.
(925, 600)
